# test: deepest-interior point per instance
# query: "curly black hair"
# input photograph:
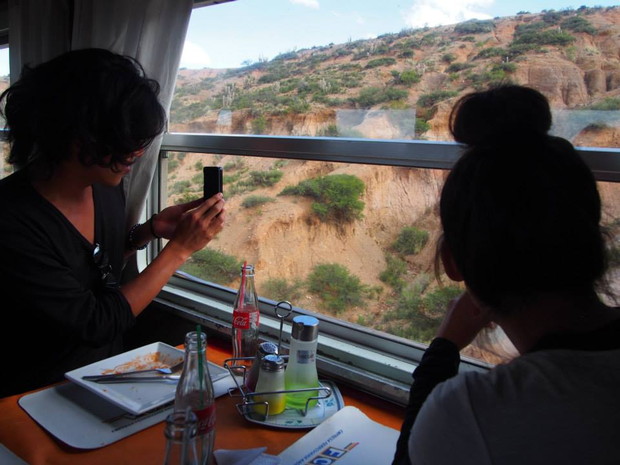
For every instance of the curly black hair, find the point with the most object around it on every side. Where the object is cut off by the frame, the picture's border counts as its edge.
(92, 100)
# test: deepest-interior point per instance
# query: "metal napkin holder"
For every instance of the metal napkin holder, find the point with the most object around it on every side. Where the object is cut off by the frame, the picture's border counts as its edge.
(246, 407)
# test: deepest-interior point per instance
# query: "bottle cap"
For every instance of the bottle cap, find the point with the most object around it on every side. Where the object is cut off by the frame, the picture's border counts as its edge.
(249, 270)
(272, 363)
(305, 328)
(265, 348)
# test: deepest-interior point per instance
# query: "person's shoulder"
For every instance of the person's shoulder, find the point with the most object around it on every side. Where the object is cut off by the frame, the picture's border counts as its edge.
(12, 188)
(534, 375)
(18, 199)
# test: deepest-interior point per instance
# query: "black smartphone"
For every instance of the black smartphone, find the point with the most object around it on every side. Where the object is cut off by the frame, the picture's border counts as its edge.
(213, 176)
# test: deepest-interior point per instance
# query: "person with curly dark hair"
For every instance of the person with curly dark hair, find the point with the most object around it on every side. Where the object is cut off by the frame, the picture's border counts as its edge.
(76, 125)
(521, 219)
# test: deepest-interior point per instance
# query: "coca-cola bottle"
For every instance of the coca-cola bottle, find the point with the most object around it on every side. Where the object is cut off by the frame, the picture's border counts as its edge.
(245, 318)
(195, 392)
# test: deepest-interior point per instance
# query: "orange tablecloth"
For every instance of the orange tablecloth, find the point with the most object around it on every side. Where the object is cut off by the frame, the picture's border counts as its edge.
(23, 436)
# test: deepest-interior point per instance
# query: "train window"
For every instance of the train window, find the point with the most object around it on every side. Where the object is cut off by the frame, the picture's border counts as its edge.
(334, 142)
(5, 168)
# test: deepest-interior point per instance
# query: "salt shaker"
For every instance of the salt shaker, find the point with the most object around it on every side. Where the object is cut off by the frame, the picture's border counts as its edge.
(270, 379)
(264, 348)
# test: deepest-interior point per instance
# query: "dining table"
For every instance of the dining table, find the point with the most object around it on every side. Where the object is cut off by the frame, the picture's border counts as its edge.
(26, 439)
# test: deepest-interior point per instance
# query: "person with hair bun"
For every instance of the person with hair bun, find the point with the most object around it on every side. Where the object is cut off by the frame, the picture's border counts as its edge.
(76, 125)
(521, 215)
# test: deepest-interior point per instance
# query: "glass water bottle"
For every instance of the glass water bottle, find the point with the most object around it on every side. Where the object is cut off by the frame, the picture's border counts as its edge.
(180, 432)
(195, 393)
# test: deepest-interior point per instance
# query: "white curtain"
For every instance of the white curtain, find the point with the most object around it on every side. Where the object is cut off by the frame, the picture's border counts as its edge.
(151, 31)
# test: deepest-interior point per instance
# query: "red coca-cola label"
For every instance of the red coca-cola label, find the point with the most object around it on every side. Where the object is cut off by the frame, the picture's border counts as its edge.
(244, 319)
(206, 419)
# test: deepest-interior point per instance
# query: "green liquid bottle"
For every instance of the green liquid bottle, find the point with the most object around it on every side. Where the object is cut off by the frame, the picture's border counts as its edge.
(301, 368)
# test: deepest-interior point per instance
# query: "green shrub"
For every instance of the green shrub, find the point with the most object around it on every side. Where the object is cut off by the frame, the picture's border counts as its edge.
(474, 26)
(255, 200)
(552, 17)
(608, 104)
(421, 126)
(371, 96)
(579, 24)
(337, 196)
(491, 52)
(189, 197)
(386, 61)
(504, 67)
(421, 314)
(456, 67)
(259, 125)
(428, 100)
(237, 163)
(448, 58)
(436, 301)
(407, 77)
(213, 265)
(545, 37)
(336, 287)
(410, 241)
(392, 275)
(280, 289)
(265, 178)
(180, 186)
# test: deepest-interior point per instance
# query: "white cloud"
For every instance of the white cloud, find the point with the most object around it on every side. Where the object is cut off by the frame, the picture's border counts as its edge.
(435, 13)
(308, 3)
(194, 56)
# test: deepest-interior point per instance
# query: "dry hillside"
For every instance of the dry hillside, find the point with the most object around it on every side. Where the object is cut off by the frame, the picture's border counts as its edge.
(573, 57)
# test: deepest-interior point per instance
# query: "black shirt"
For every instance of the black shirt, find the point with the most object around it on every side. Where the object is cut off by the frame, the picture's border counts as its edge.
(58, 313)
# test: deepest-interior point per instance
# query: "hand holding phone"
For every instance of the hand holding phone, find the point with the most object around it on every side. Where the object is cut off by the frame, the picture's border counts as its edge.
(213, 180)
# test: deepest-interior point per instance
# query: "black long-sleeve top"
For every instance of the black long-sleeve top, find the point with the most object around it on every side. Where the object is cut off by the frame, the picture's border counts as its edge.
(439, 363)
(58, 311)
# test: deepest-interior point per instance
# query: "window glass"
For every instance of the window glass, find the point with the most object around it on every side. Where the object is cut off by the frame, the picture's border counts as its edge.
(352, 241)
(392, 69)
(355, 242)
(5, 168)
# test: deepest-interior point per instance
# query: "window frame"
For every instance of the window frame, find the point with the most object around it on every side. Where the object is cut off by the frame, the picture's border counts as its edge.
(368, 359)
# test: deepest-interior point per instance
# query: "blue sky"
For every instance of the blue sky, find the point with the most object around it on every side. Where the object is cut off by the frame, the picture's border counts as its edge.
(228, 34)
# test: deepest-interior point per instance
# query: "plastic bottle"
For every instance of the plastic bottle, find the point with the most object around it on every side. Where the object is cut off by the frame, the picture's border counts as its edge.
(245, 318)
(301, 369)
(270, 379)
(195, 392)
(180, 432)
(264, 348)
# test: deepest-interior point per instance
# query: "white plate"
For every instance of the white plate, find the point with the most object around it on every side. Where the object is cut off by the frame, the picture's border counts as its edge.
(137, 398)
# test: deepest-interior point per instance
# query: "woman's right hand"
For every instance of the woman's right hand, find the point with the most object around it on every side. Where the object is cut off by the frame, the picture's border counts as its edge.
(463, 321)
(199, 225)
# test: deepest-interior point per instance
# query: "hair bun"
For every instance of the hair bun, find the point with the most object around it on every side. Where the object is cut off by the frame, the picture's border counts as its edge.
(509, 114)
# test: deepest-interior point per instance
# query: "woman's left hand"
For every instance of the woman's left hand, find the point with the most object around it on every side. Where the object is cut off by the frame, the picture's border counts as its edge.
(463, 320)
(166, 221)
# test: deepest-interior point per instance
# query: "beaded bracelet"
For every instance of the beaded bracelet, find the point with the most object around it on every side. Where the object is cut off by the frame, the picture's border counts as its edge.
(130, 239)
